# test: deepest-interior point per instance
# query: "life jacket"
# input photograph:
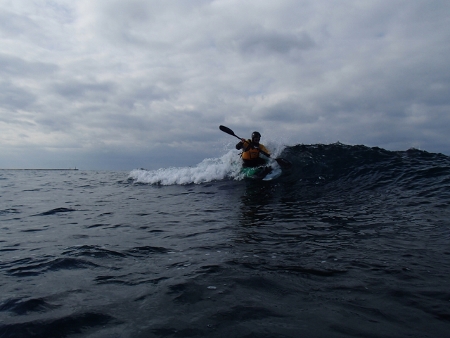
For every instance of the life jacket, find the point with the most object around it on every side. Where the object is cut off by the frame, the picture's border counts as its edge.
(250, 153)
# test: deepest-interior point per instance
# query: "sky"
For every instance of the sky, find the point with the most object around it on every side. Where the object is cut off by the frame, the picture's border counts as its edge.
(125, 84)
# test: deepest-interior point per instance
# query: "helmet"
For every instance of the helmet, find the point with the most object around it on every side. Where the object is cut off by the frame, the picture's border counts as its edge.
(255, 134)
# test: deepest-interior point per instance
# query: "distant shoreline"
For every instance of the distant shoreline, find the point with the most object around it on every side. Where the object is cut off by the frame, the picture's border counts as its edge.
(35, 169)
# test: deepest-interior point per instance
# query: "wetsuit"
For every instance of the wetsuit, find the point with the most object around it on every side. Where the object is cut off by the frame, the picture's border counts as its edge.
(250, 154)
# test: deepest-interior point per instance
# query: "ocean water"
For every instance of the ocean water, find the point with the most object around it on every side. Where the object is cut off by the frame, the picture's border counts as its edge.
(350, 242)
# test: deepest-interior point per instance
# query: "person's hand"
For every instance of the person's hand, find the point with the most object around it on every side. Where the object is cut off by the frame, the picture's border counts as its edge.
(243, 140)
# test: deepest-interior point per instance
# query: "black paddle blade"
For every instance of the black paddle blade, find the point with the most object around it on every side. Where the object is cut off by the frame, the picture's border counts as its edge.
(227, 130)
(283, 163)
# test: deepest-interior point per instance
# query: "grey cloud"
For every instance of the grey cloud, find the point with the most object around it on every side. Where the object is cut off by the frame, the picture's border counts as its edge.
(78, 90)
(142, 94)
(289, 111)
(12, 24)
(261, 40)
(55, 123)
(155, 75)
(16, 66)
(127, 12)
(122, 22)
(13, 97)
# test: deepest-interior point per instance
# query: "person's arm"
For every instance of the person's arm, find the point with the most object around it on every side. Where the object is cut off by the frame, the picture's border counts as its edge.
(264, 149)
(243, 144)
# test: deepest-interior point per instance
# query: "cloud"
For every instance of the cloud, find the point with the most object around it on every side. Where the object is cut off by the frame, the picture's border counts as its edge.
(15, 66)
(12, 97)
(13, 25)
(261, 41)
(145, 78)
(76, 90)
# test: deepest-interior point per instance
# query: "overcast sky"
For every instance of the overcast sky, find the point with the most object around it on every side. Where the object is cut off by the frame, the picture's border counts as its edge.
(124, 84)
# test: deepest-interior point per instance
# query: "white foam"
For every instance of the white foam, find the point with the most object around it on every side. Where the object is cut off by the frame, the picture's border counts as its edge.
(210, 169)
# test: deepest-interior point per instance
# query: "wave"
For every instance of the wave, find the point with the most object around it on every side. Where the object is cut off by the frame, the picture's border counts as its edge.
(349, 166)
(36, 266)
(55, 211)
(57, 327)
(20, 306)
(367, 168)
(225, 167)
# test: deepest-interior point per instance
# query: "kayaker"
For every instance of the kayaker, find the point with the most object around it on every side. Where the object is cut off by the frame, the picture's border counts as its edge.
(251, 149)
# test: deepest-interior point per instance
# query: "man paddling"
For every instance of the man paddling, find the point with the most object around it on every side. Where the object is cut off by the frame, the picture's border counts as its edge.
(251, 149)
(281, 161)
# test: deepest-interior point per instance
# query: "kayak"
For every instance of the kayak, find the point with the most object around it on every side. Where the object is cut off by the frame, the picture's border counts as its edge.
(273, 174)
(261, 173)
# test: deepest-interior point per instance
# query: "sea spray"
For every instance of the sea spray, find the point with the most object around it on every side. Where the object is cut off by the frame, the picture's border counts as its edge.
(210, 169)
(227, 166)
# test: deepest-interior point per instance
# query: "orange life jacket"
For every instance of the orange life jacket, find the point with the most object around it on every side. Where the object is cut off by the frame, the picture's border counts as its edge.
(251, 153)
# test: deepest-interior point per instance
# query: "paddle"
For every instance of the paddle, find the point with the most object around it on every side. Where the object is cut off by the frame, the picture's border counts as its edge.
(281, 161)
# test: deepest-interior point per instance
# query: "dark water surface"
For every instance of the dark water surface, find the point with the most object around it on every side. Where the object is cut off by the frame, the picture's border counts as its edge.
(350, 242)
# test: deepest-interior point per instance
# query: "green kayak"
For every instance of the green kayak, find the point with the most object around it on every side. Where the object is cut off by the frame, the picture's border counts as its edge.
(261, 173)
